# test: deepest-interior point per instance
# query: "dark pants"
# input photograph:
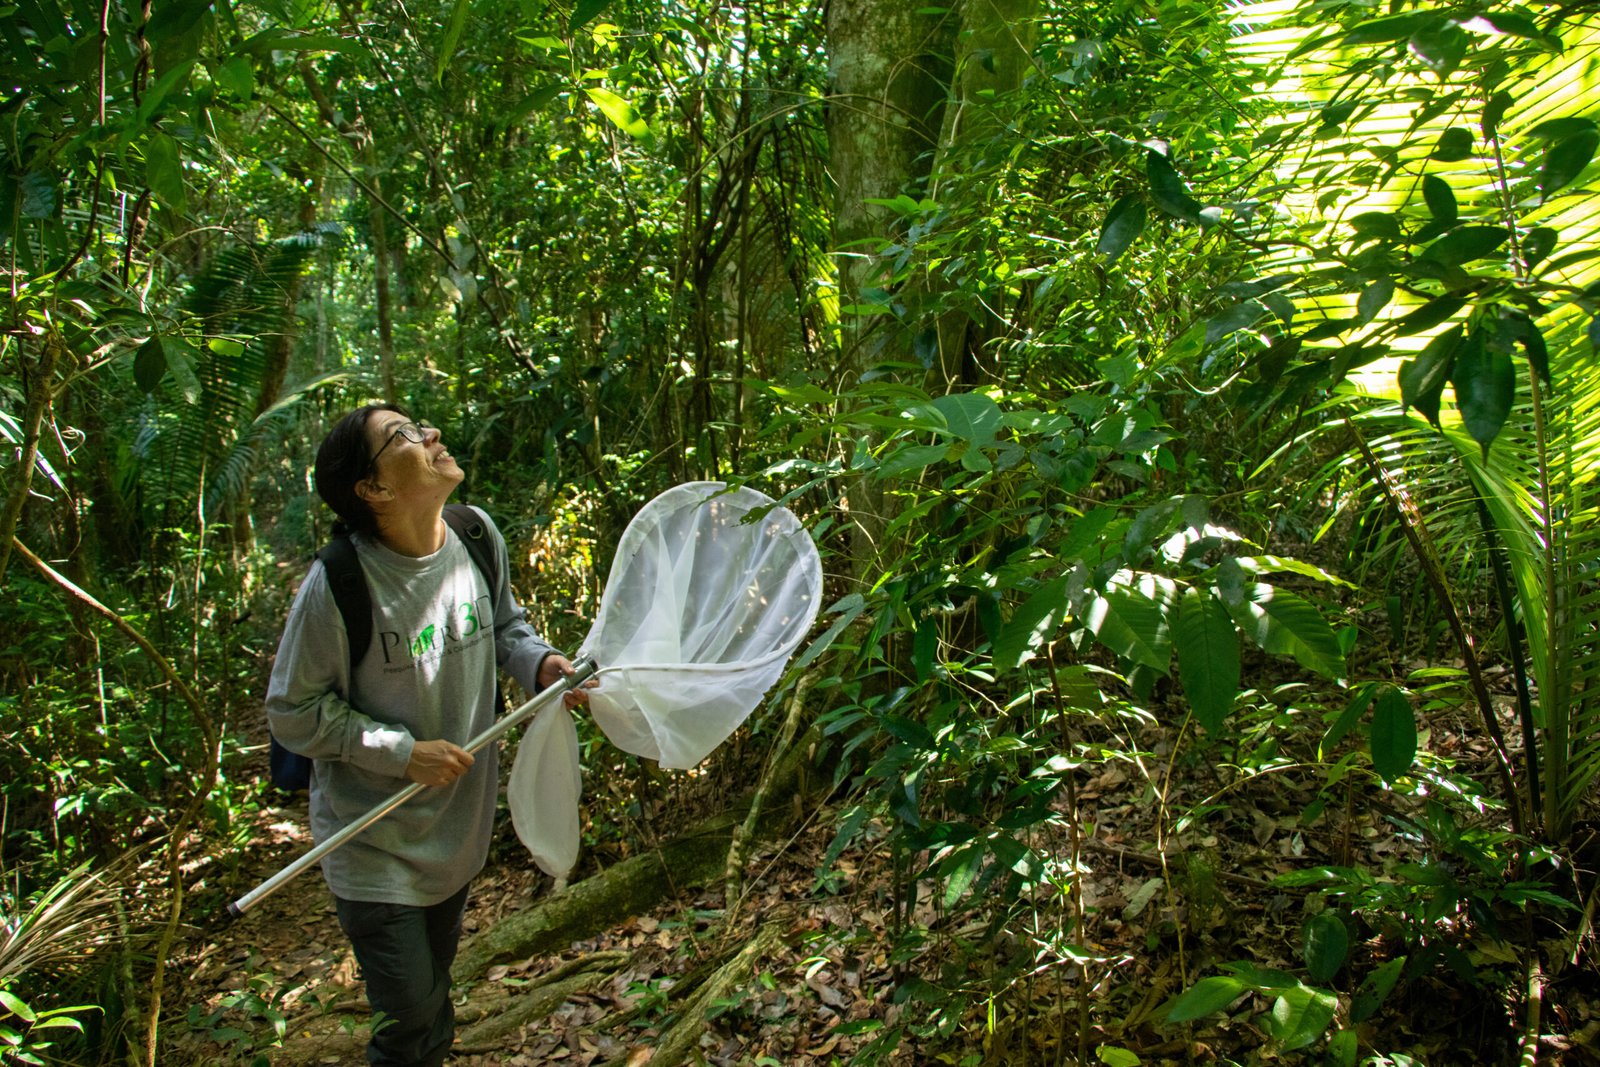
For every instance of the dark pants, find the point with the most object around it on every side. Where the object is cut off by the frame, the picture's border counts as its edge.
(405, 954)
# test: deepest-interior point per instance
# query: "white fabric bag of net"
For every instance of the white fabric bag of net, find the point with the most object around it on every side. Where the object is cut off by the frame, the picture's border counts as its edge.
(711, 591)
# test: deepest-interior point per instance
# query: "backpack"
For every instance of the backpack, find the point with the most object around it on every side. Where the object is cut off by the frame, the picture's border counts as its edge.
(290, 770)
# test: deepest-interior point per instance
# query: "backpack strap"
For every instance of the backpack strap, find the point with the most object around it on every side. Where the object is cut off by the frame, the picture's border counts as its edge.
(469, 526)
(348, 583)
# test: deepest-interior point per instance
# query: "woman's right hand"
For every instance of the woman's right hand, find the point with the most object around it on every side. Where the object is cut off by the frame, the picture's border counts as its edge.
(437, 762)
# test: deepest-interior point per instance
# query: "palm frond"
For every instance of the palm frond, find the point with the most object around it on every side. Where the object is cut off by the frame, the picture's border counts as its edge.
(228, 480)
(238, 309)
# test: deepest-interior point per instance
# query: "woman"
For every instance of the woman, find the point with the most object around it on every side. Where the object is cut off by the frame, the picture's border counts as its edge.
(424, 687)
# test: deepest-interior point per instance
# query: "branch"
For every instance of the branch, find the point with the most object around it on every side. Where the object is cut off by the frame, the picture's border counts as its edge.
(39, 399)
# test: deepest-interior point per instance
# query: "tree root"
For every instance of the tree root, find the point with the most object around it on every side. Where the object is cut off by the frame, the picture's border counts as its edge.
(602, 900)
(501, 1016)
(637, 884)
(676, 1043)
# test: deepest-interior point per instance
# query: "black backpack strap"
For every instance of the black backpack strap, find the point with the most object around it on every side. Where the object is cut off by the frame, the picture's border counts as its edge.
(348, 583)
(470, 527)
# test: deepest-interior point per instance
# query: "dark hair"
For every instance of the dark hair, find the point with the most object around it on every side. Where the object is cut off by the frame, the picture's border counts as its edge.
(343, 460)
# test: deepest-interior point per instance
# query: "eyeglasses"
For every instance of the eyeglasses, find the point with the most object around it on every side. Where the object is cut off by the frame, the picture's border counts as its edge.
(415, 432)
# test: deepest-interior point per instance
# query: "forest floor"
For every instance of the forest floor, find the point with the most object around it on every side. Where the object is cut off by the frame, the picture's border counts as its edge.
(280, 986)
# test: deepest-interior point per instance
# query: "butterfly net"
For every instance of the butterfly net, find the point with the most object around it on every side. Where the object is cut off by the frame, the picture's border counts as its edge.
(710, 592)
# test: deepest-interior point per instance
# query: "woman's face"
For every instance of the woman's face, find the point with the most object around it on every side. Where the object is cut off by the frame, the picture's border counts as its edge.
(408, 472)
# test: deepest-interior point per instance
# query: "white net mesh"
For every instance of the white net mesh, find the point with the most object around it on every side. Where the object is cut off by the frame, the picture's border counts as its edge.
(700, 614)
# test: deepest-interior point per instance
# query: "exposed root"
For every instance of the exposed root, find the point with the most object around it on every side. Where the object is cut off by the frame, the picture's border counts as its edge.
(499, 1017)
(676, 1043)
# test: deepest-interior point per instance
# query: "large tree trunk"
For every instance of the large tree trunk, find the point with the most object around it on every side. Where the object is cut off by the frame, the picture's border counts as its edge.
(888, 64)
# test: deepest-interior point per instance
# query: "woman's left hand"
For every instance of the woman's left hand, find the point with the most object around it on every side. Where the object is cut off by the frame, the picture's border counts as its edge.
(556, 667)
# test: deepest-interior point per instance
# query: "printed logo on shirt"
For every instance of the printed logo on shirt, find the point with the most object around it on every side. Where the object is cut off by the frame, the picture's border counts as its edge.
(470, 622)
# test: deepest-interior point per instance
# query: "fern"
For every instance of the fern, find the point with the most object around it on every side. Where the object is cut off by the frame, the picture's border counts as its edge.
(202, 452)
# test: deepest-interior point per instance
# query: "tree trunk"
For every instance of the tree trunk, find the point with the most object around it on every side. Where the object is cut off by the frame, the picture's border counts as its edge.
(887, 64)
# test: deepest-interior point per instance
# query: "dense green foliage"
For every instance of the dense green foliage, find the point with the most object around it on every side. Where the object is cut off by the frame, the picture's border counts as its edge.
(1195, 395)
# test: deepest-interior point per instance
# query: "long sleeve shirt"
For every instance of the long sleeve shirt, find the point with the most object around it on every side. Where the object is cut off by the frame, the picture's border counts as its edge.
(438, 635)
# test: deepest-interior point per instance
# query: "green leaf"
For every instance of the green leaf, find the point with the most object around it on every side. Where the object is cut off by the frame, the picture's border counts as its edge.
(1357, 706)
(1374, 298)
(970, 416)
(238, 77)
(164, 172)
(1124, 223)
(962, 869)
(1512, 329)
(1375, 989)
(1539, 243)
(1494, 111)
(1563, 128)
(38, 188)
(1379, 224)
(157, 94)
(1439, 309)
(1116, 1056)
(1440, 198)
(1466, 244)
(1486, 387)
(1513, 24)
(584, 11)
(1389, 28)
(149, 365)
(181, 360)
(1454, 144)
(1132, 625)
(1168, 190)
(17, 1006)
(1344, 1049)
(451, 39)
(849, 609)
(280, 39)
(1204, 997)
(1564, 161)
(1208, 657)
(619, 111)
(1300, 1015)
(1233, 319)
(1422, 380)
(910, 458)
(924, 646)
(1326, 943)
(1441, 47)
(1287, 625)
(1034, 623)
(1394, 734)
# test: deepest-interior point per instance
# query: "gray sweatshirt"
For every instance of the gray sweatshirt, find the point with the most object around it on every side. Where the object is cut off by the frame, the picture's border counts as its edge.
(438, 633)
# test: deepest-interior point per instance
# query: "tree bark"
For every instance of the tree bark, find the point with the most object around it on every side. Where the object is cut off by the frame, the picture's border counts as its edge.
(888, 63)
(602, 900)
(639, 882)
(39, 379)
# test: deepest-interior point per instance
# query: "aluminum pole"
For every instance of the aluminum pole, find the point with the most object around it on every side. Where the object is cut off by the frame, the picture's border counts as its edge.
(582, 671)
